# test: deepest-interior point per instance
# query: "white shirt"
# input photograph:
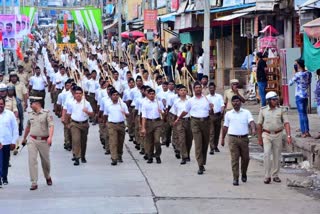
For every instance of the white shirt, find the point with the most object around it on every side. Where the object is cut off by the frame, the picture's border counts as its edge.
(60, 80)
(92, 85)
(238, 121)
(76, 110)
(179, 106)
(198, 107)
(200, 68)
(38, 82)
(135, 94)
(126, 94)
(217, 101)
(117, 84)
(9, 128)
(171, 98)
(105, 101)
(114, 112)
(150, 109)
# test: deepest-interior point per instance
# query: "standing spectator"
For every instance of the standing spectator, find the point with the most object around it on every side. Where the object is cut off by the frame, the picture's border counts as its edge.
(170, 71)
(138, 50)
(181, 59)
(262, 68)
(8, 137)
(200, 65)
(155, 54)
(189, 61)
(236, 125)
(317, 96)
(302, 78)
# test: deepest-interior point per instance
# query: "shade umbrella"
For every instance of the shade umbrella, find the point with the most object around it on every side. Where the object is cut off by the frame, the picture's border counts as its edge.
(269, 29)
(312, 28)
(142, 39)
(174, 40)
(132, 34)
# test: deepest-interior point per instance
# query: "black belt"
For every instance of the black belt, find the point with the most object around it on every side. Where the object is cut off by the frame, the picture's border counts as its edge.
(92, 94)
(59, 89)
(157, 119)
(185, 118)
(80, 122)
(217, 114)
(200, 118)
(272, 132)
(238, 136)
(117, 123)
(38, 90)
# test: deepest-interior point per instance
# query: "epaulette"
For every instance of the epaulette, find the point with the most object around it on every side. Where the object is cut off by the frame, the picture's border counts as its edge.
(46, 110)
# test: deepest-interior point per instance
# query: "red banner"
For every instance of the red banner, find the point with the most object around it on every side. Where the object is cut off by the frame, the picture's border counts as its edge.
(150, 19)
(174, 5)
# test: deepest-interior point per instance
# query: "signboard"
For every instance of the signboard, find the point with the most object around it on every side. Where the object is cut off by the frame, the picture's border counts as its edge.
(10, 3)
(70, 35)
(174, 5)
(150, 19)
(297, 3)
(227, 3)
(8, 30)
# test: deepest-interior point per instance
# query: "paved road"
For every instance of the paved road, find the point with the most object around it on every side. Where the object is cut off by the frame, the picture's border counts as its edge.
(137, 187)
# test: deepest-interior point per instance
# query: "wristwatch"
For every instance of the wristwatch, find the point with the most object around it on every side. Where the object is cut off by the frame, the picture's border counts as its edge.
(289, 136)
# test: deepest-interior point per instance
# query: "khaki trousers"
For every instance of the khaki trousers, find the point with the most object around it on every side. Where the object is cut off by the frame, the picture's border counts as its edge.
(137, 128)
(116, 139)
(200, 132)
(131, 122)
(239, 147)
(215, 128)
(79, 132)
(272, 145)
(67, 135)
(184, 137)
(41, 147)
(104, 135)
(172, 131)
(152, 139)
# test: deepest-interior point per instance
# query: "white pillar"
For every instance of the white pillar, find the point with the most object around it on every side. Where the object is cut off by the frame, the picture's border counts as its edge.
(206, 37)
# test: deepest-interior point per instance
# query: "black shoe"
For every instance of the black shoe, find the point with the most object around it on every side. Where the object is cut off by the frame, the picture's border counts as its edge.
(94, 123)
(83, 160)
(145, 157)
(183, 161)
(73, 159)
(188, 159)
(158, 160)
(0, 184)
(137, 147)
(167, 143)
(107, 152)
(135, 142)
(150, 160)
(235, 183)
(5, 181)
(142, 152)
(244, 178)
(216, 150)
(76, 162)
(114, 162)
(131, 139)
(178, 156)
(204, 169)
(200, 171)
(120, 160)
(211, 152)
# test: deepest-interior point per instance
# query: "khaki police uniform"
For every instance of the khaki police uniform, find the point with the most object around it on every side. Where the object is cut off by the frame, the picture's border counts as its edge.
(228, 94)
(39, 124)
(23, 78)
(28, 68)
(272, 121)
(21, 91)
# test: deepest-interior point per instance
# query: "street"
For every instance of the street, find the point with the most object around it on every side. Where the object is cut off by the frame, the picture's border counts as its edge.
(137, 187)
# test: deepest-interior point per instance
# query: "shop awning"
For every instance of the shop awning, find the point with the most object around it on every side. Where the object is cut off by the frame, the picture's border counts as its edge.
(230, 17)
(168, 17)
(223, 9)
(309, 3)
(246, 10)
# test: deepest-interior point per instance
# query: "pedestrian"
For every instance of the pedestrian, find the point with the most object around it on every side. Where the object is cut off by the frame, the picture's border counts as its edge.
(262, 69)
(200, 68)
(271, 121)
(152, 114)
(317, 96)
(302, 78)
(79, 112)
(204, 83)
(8, 136)
(229, 93)
(215, 118)
(116, 113)
(199, 108)
(37, 85)
(236, 126)
(40, 127)
(183, 126)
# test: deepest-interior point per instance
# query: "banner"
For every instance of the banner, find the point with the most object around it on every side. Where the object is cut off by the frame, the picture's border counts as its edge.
(10, 3)
(8, 29)
(150, 19)
(29, 12)
(70, 36)
(22, 27)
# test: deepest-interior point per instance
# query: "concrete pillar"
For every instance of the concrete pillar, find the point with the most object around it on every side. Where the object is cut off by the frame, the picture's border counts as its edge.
(288, 32)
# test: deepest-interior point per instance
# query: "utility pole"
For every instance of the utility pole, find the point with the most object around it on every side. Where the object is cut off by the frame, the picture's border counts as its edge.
(119, 27)
(153, 7)
(206, 38)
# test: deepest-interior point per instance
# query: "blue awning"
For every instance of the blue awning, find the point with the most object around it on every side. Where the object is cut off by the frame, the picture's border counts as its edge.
(223, 9)
(168, 17)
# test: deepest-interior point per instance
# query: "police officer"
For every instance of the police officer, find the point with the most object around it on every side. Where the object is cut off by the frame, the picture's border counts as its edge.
(236, 125)
(40, 127)
(271, 121)
(229, 93)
